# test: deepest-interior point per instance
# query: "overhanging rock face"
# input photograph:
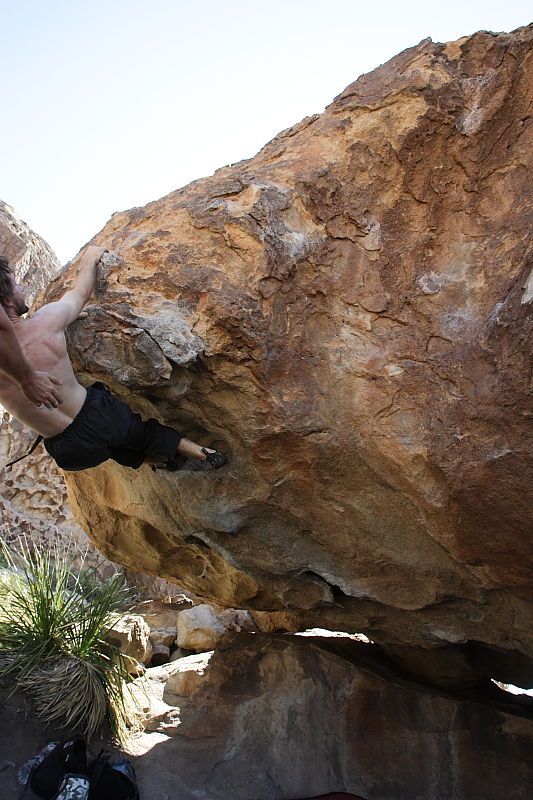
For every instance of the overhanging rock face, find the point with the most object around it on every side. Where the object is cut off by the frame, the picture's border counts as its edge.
(347, 315)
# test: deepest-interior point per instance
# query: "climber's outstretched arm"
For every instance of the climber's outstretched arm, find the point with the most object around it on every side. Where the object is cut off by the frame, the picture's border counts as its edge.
(66, 310)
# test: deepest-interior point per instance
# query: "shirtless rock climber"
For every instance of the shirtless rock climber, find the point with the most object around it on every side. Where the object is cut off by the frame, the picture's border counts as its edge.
(90, 425)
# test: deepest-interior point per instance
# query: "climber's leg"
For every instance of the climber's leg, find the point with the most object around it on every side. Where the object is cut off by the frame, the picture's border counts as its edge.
(151, 442)
(206, 457)
(106, 427)
(147, 441)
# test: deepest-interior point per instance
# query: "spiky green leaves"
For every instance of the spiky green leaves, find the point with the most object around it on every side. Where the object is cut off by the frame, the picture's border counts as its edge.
(53, 620)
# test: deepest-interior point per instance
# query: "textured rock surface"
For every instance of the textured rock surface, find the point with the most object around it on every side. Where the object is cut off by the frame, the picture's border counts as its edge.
(22, 735)
(275, 621)
(34, 498)
(281, 718)
(162, 615)
(234, 619)
(160, 654)
(184, 677)
(347, 315)
(164, 636)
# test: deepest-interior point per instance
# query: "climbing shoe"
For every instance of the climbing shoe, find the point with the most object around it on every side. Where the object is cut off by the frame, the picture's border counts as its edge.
(216, 459)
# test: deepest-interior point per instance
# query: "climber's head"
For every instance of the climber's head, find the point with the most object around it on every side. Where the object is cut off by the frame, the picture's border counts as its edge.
(11, 295)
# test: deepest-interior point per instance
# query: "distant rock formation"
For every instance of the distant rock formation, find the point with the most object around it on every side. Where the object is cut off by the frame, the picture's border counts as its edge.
(33, 260)
(347, 314)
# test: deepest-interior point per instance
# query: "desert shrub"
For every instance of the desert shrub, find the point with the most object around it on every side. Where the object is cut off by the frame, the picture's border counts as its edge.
(53, 622)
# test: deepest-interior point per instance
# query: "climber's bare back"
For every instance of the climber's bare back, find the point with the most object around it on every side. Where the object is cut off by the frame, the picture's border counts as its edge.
(42, 340)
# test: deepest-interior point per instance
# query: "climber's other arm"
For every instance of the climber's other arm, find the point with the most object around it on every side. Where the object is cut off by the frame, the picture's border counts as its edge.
(39, 387)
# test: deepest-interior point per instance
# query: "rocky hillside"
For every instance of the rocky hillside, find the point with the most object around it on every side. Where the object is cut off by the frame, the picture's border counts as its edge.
(346, 314)
(33, 259)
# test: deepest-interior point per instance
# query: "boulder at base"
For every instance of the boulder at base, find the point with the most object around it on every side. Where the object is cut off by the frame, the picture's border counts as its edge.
(276, 718)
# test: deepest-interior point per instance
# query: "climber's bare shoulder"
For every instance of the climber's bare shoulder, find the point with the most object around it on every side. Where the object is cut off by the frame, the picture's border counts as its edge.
(42, 340)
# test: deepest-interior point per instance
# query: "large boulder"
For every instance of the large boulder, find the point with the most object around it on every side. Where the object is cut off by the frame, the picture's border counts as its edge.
(280, 718)
(346, 315)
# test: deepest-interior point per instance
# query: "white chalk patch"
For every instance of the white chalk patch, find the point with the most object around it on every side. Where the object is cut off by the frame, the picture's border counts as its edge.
(393, 369)
(430, 283)
(528, 289)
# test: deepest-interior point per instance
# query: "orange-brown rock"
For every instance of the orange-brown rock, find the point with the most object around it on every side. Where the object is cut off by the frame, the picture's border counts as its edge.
(346, 314)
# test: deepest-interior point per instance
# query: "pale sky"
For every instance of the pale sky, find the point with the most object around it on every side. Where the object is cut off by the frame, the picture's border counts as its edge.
(109, 104)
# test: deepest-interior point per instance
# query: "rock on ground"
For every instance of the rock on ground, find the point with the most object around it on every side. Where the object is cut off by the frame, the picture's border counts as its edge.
(132, 635)
(22, 736)
(163, 636)
(199, 629)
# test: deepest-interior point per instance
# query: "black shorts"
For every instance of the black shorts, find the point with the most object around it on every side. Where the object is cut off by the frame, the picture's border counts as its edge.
(105, 427)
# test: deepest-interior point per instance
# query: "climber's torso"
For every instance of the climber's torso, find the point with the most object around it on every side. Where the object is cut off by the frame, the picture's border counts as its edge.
(45, 348)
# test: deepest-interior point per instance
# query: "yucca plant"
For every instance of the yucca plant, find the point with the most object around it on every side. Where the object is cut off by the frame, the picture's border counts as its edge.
(53, 622)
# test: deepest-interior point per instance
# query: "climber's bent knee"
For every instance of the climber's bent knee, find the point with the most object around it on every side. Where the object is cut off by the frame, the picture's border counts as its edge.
(147, 441)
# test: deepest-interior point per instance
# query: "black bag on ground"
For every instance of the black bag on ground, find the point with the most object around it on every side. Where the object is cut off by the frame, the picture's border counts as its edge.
(112, 781)
(67, 757)
(64, 774)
